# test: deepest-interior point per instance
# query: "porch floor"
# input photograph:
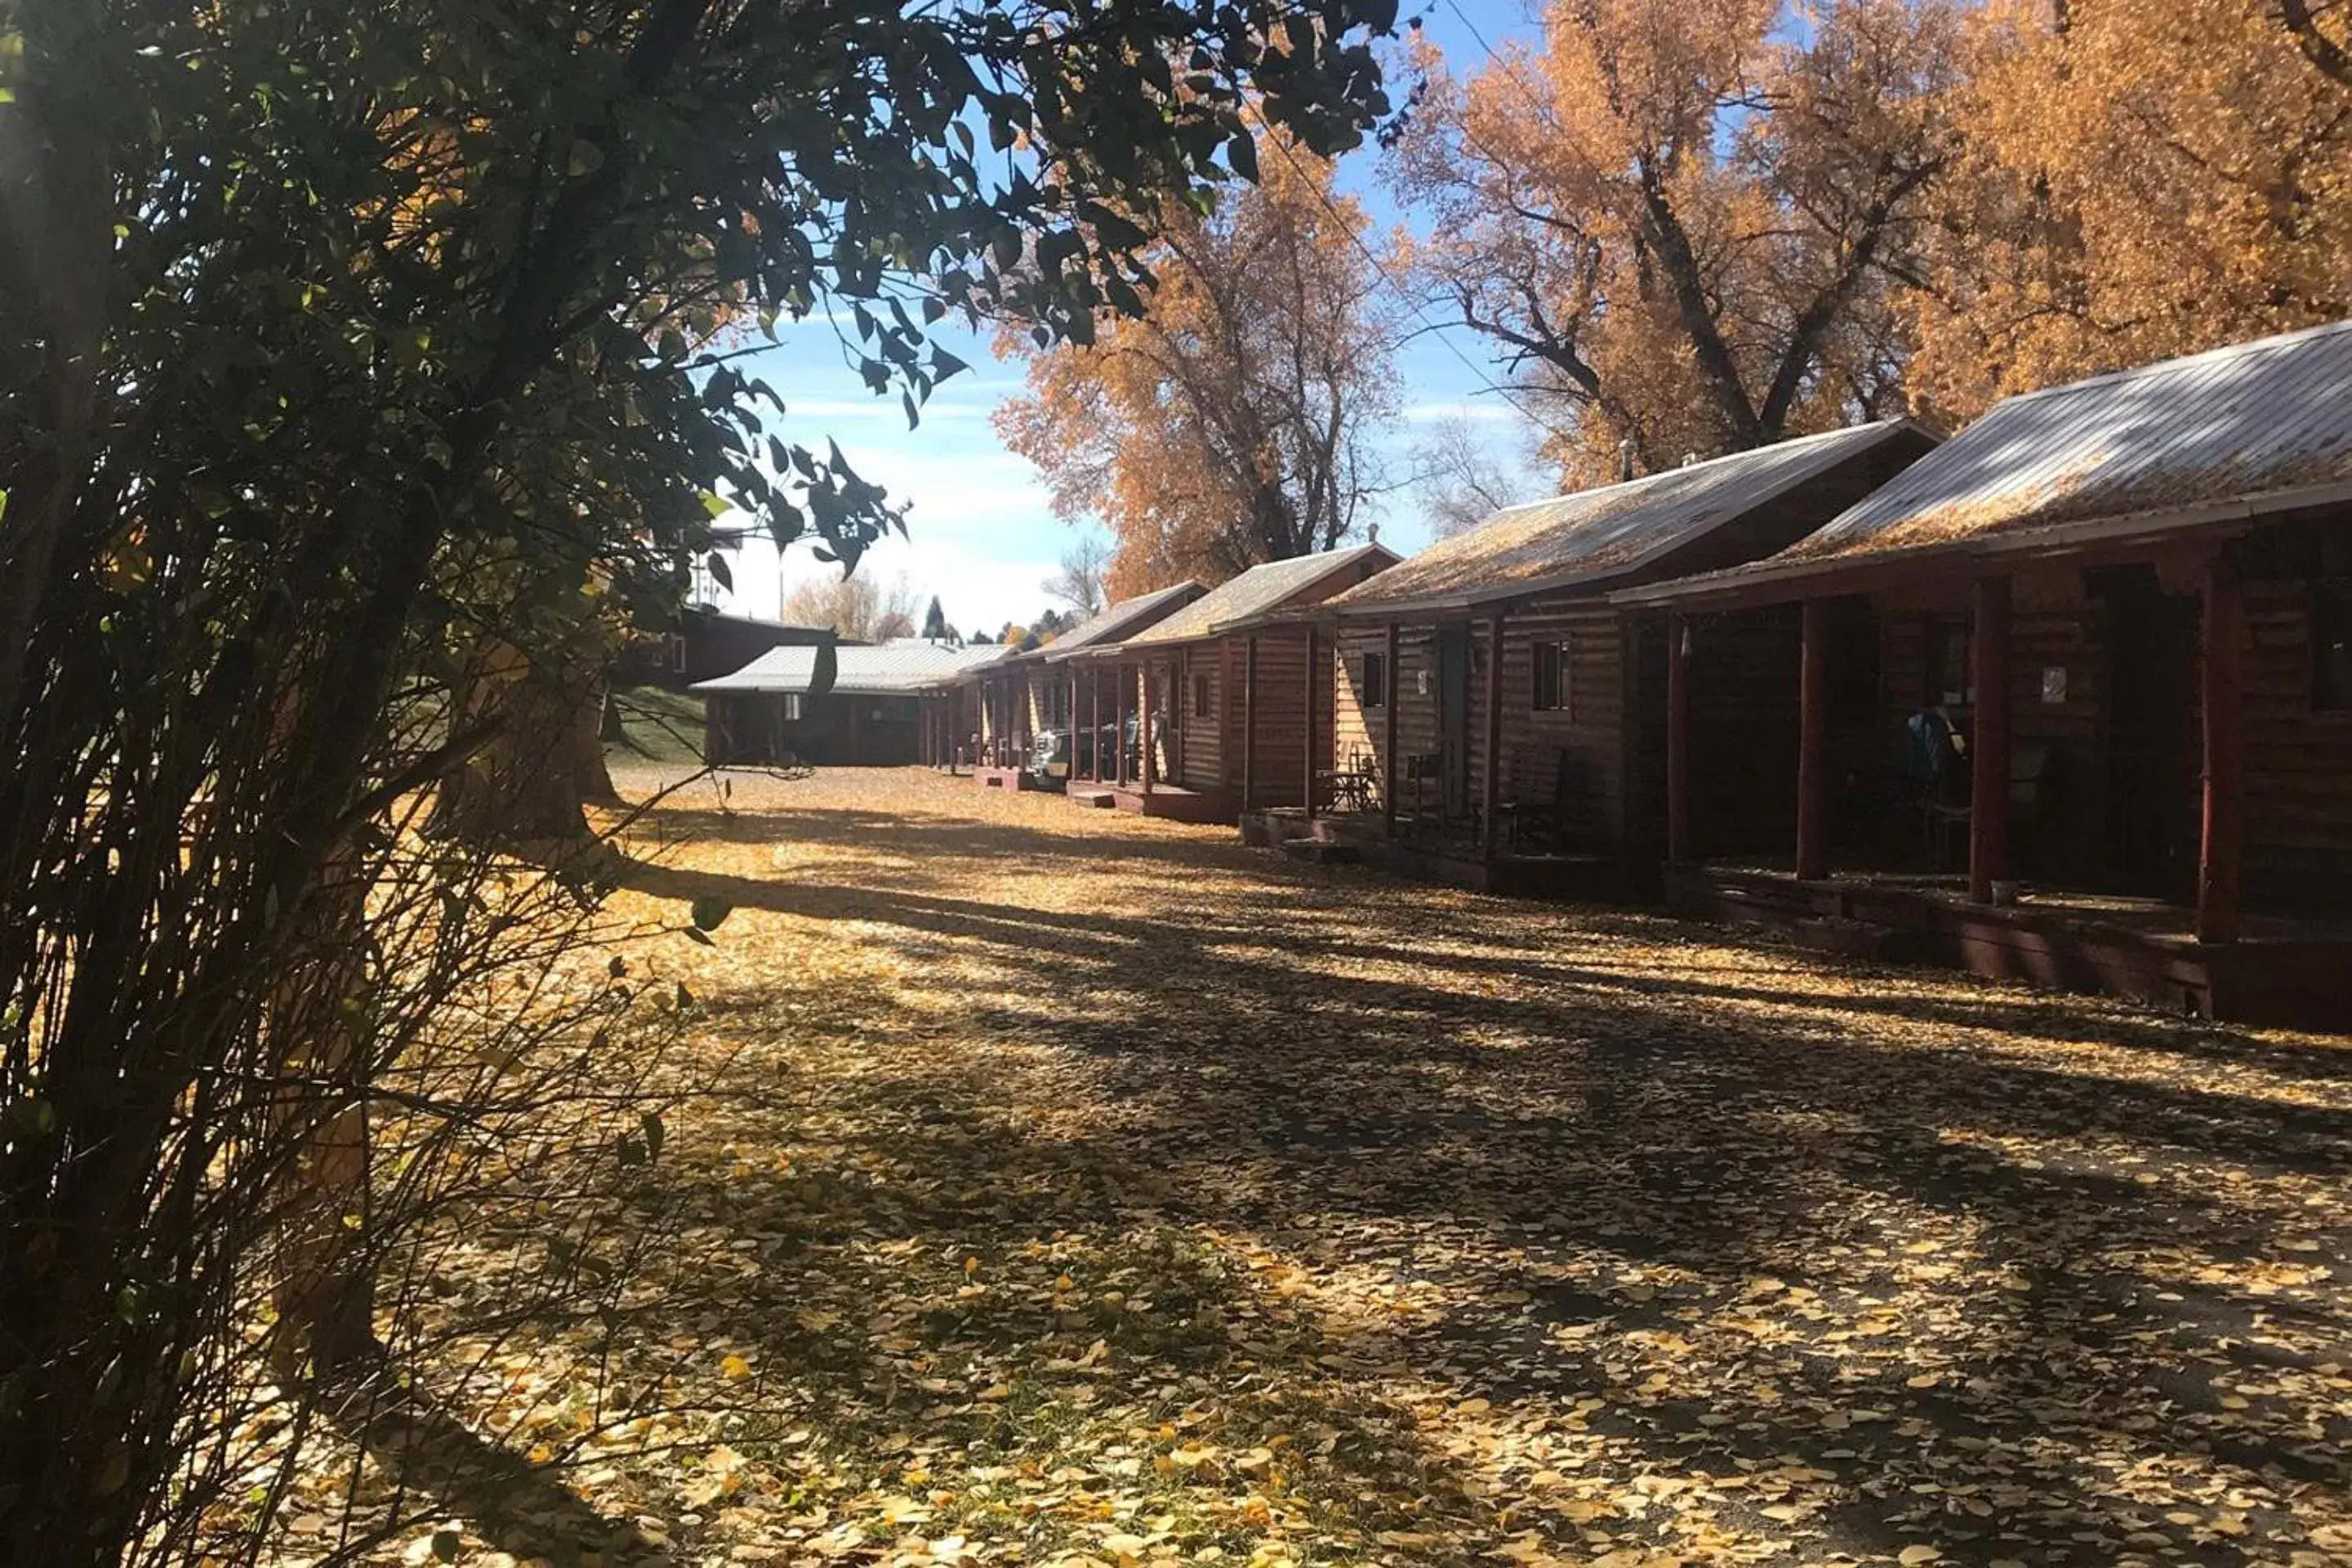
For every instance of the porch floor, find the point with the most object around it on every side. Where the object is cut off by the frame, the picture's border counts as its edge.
(1451, 859)
(2285, 971)
(989, 777)
(1174, 801)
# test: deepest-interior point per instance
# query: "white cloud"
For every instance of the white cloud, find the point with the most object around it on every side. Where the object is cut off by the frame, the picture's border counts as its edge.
(1477, 412)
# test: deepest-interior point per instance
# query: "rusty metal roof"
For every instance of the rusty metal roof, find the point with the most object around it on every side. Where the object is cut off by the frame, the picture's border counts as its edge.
(2168, 443)
(1122, 619)
(1257, 591)
(1599, 534)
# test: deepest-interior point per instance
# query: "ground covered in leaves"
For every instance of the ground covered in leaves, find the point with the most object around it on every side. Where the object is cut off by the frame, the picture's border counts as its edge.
(1062, 1187)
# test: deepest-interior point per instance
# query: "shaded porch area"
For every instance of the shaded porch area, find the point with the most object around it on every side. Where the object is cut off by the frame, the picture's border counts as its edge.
(2279, 972)
(1451, 856)
(2111, 770)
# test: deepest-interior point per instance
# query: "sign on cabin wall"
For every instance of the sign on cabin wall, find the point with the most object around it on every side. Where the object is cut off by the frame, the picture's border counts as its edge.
(2054, 685)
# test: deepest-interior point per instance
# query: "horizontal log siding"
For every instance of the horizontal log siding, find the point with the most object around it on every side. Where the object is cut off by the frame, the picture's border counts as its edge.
(2298, 758)
(1586, 743)
(1364, 731)
(1743, 732)
(1281, 714)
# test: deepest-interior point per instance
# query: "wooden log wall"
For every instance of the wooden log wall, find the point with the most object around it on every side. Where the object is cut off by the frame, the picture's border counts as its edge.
(1281, 714)
(2298, 756)
(1359, 731)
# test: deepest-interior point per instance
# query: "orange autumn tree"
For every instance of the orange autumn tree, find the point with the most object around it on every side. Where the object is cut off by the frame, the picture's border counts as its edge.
(1683, 224)
(2142, 180)
(1229, 424)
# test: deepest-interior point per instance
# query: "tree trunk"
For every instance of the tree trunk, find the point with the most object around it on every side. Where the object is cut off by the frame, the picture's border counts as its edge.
(545, 760)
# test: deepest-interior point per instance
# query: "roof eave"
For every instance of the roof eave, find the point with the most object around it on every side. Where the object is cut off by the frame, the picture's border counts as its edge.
(1754, 584)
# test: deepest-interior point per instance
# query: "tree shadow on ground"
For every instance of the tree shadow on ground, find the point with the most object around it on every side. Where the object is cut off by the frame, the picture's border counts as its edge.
(1983, 1282)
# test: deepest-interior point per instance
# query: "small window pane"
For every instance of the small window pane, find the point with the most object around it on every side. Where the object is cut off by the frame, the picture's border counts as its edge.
(1372, 690)
(1551, 672)
(1203, 697)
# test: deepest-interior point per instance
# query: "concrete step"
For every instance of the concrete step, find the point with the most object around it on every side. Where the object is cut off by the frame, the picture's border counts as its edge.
(1101, 799)
(1321, 851)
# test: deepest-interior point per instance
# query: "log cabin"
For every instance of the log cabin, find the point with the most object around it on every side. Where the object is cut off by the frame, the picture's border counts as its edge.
(769, 713)
(1026, 693)
(2069, 701)
(1222, 689)
(1483, 692)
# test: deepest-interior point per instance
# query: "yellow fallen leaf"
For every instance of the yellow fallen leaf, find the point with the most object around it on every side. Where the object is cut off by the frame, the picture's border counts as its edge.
(734, 1368)
(1911, 1555)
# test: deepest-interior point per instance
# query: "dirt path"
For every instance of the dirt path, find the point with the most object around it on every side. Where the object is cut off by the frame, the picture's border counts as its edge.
(1092, 1187)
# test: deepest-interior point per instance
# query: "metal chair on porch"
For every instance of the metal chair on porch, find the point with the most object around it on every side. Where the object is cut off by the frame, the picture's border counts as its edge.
(1533, 813)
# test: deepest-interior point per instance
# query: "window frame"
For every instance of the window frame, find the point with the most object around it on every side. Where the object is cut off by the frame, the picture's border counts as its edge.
(2330, 599)
(1205, 694)
(1372, 682)
(1552, 685)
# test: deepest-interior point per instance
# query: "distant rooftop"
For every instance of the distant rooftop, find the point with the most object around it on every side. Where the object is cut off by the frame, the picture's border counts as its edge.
(897, 668)
(1256, 592)
(1123, 619)
(1599, 534)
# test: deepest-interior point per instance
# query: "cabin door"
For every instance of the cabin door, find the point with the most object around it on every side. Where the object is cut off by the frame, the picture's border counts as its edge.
(1454, 715)
(2151, 736)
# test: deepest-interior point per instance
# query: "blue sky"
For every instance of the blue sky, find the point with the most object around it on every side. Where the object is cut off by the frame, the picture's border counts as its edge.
(980, 532)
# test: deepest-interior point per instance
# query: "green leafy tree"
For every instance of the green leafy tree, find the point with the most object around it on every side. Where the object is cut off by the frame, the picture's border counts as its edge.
(324, 328)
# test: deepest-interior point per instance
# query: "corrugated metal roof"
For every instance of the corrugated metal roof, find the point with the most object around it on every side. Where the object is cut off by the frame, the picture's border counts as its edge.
(1601, 534)
(1122, 619)
(904, 666)
(1256, 592)
(2263, 418)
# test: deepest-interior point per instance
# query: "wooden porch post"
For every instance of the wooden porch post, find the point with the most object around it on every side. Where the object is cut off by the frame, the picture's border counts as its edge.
(1813, 743)
(1249, 724)
(1492, 784)
(1143, 727)
(1989, 786)
(2223, 842)
(1118, 734)
(1678, 814)
(1094, 721)
(1307, 777)
(1392, 766)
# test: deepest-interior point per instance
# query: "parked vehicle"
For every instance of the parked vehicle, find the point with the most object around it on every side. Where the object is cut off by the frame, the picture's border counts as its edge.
(1050, 758)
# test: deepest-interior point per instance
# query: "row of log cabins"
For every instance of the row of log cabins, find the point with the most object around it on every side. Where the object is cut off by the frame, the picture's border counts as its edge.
(2067, 697)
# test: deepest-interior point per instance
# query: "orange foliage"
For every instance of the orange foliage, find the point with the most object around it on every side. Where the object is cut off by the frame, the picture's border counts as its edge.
(1682, 222)
(2145, 181)
(1225, 425)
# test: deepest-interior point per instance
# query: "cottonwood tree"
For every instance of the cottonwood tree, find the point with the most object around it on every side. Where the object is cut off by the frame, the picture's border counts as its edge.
(299, 304)
(1229, 422)
(854, 606)
(1461, 480)
(2142, 180)
(1078, 580)
(1682, 222)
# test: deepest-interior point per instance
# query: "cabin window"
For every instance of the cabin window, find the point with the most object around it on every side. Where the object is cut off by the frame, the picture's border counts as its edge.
(2331, 646)
(1552, 680)
(1947, 666)
(1204, 696)
(1372, 688)
(794, 702)
(677, 654)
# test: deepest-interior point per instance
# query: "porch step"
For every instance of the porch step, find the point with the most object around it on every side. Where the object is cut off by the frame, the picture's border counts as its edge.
(1101, 799)
(1850, 938)
(1321, 851)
